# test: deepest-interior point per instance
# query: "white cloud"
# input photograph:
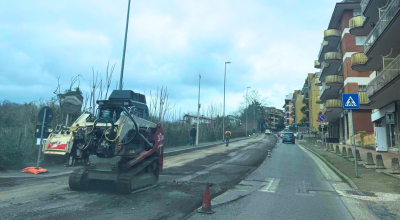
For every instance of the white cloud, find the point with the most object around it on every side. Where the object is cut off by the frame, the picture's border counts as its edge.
(272, 46)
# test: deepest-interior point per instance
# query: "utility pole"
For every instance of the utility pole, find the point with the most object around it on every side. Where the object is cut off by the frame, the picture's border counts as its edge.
(247, 108)
(223, 118)
(123, 55)
(254, 112)
(198, 115)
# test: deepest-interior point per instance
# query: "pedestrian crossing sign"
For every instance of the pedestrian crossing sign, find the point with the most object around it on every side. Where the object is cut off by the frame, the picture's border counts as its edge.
(350, 101)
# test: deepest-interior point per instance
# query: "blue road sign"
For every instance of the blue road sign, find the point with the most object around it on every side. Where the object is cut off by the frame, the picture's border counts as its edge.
(295, 125)
(350, 101)
(322, 118)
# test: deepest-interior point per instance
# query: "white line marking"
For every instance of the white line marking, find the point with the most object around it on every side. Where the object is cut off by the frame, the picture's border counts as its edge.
(271, 187)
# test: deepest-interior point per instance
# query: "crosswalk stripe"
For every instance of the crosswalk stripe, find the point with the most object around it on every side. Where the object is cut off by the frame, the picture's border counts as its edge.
(270, 186)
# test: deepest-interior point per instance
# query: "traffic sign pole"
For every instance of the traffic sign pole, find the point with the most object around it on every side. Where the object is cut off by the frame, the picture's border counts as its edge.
(354, 143)
(41, 138)
(351, 101)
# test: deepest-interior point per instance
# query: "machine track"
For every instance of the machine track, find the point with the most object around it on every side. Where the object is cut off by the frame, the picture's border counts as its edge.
(79, 179)
(138, 179)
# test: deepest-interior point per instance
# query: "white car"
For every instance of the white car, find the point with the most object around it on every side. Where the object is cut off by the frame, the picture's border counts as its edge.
(268, 131)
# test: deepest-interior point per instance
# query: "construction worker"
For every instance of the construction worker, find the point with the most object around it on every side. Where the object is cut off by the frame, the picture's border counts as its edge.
(193, 133)
(227, 137)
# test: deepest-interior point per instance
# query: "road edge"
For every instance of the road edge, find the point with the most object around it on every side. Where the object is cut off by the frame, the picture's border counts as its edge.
(336, 170)
(357, 208)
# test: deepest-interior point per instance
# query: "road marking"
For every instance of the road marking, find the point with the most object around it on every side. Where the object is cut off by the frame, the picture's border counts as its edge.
(271, 187)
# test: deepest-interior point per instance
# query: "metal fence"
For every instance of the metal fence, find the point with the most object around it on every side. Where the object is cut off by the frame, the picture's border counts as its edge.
(383, 22)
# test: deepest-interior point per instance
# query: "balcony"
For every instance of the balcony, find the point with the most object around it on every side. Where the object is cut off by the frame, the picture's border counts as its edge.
(317, 64)
(332, 109)
(332, 56)
(334, 80)
(331, 65)
(384, 88)
(326, 47)
(358, 27)
(359, 61)
(332, 35)
(388, 19)
(318, 101)
(369, 8)
(331, 88)
(363, 98)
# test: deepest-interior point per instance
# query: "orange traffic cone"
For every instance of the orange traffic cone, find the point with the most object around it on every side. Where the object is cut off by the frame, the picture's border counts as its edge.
(206, 207)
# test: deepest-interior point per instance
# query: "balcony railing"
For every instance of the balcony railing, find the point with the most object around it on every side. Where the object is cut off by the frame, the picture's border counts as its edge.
(383, 22)
(333, 56)
(331, 33)
(389, 73)
(356, 22)
(317, 64)
(358, 59)
(364, 4)
(334, 79)
(363, 97)
(333, 103)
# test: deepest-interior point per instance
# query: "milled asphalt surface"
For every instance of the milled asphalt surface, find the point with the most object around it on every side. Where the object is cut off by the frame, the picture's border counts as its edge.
(178, 193)
(286, 186)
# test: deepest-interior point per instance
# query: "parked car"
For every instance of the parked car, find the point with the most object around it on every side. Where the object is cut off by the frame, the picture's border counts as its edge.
(268, 131)
(288, 137)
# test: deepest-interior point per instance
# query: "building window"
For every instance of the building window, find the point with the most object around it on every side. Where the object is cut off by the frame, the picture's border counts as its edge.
(362, 88)
(360, 40)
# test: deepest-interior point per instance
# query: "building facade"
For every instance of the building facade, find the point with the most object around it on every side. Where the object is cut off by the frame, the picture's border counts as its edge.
(378, 23)
(337, 76)
(288, 109)
(299, 108)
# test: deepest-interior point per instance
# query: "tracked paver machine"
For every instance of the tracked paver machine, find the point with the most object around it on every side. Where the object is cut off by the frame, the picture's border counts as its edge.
(122, 144)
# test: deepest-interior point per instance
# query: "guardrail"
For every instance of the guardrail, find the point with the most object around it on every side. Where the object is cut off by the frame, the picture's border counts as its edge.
(389, 73)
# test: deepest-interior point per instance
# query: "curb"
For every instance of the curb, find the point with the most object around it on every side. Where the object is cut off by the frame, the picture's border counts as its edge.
(389, 174)
(348, 179)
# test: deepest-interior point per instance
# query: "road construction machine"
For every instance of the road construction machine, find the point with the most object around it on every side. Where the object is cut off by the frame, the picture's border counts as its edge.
(121, 143)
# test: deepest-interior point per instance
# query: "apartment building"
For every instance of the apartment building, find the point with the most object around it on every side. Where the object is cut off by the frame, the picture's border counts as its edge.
(288, 109)
(300, 109)
(379, 24)
(311, 101)
(337, 76)
(273, 116)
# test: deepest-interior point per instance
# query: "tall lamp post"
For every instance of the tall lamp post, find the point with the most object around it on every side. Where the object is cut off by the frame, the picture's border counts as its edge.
(198, 115)
(247, 107)
(123, 55)
(223, 118)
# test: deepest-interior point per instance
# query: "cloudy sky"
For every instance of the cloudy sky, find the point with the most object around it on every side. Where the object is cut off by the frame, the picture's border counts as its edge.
(271, 46)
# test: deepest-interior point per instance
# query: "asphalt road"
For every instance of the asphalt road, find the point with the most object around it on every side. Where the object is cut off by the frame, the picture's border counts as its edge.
(287, 185)
(178, 193)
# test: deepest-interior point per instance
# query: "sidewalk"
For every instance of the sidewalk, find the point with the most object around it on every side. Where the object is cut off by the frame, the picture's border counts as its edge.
(370, 179)
(59, 170)
(384, 188)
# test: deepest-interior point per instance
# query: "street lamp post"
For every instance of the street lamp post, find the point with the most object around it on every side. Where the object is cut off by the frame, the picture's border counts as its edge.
(198, 115)
(247, 107)
(123, 55)
(223, 118)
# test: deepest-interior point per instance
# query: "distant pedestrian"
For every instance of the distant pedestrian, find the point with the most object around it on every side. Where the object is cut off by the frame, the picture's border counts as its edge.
(227, 137)
(193, 133)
